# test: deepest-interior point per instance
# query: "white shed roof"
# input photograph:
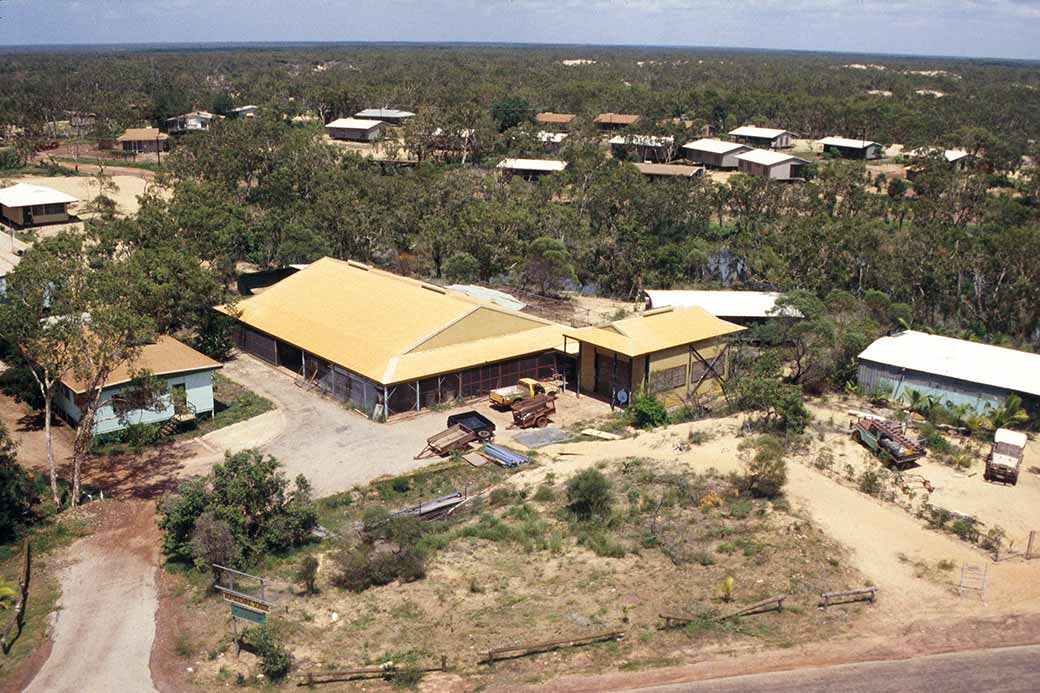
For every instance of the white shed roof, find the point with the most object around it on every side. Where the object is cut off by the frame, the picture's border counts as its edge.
(532, 164)
(721, 304)
(767, 157)
(846, 143)
(754, 131)
(493, 295)
(554, 137)
(972, 362)
(642, 140)
(714, 146)
(27, 194)
(378, 113)
(354, 123)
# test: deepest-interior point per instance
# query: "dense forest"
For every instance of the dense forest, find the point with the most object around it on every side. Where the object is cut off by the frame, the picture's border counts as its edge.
(957, 247)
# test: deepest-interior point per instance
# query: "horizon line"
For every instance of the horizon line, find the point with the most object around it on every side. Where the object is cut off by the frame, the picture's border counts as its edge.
(145, 45)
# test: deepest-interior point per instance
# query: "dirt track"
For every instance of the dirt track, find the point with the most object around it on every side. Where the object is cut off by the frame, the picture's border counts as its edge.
(103, 631)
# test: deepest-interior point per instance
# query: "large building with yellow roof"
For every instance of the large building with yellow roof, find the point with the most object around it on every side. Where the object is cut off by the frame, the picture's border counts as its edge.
(388, 344)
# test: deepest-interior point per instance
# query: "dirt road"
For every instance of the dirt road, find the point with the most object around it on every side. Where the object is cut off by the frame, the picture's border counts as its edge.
(997, 671)
(103, 631)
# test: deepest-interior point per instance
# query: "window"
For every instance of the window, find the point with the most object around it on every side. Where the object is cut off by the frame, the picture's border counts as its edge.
(668, 379)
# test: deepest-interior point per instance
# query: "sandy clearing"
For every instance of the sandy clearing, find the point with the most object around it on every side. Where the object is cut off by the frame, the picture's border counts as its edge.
(886, 543)
(105, 625)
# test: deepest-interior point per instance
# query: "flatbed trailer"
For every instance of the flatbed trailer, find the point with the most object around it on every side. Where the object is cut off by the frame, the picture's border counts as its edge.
(462, 430)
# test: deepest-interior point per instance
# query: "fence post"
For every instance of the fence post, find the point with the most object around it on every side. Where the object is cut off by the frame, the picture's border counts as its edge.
(1031, 544)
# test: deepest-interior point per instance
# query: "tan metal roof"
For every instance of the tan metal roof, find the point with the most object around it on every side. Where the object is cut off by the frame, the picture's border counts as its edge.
(139, 134)
(550, 117)
(390, 328)
(165, 356)
(655, 331)
(670, 170)
(616, 118)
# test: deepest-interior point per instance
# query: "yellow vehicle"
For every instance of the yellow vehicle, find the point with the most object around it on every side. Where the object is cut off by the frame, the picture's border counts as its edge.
(525, 388)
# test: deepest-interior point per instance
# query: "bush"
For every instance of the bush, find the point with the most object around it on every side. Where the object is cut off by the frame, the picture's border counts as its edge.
(307, 573)
(371, 565)
(139, 435)
(251, 496)
(275, 660)
(870, 482)
(544, 494)
(765, 470)
(462, 267)
(588, 495)
(213, 543)
(646, 412)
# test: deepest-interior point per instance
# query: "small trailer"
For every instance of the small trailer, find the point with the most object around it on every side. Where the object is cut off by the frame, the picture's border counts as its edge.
(1005, 457)
(534, 412)
(887, 440)
(462, 430)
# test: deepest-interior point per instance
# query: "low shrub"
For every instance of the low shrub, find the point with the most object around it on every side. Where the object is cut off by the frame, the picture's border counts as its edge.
(588, 495)
(275, 660)
(646, 411)
(765, 470)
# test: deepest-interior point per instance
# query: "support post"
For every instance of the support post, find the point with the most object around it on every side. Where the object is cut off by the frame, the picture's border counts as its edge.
(1031, 544)
(418, 403)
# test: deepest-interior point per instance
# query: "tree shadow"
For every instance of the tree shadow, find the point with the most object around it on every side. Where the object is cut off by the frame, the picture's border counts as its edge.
(144, 474)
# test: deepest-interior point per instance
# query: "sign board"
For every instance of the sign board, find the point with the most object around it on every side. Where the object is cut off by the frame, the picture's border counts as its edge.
(256, 617)
(245, 600)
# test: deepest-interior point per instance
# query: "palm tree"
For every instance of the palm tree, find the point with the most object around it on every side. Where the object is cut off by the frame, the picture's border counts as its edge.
(1007, 415)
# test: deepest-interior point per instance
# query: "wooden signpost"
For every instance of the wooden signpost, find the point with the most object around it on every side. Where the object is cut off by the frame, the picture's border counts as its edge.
(248, 607)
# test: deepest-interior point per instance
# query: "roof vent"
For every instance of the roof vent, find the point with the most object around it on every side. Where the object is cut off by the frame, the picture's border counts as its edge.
(358, 265)
(658, 311)
(434, 288)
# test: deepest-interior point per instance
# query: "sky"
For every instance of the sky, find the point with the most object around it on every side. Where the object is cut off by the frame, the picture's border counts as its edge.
(971, 28)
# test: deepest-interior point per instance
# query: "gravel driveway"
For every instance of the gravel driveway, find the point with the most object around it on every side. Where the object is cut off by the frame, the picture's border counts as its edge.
(104, 628)
(334, 447)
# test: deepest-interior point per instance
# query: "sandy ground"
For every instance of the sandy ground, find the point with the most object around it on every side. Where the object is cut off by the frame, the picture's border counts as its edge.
(85, 188)
(103, 631)
(887, 544)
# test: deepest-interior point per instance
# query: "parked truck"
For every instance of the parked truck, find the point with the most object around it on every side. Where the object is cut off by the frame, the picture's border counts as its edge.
(1005, 457)
(525, 388)
(887, 440)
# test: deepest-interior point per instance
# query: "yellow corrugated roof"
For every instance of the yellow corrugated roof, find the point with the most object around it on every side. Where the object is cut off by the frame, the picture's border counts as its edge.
(371, 322)
(655, 331)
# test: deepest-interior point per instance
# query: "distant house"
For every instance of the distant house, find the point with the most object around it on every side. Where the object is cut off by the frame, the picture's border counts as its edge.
(642, 147)
(950, 370)
(714, 153)
(615, 121)
(769, 164)
(196, 121)
(672, 353)
(391, 116)
(850, 149)
(355, 129)
(26, 204)
(187, 373)
(551, 141)
(669, 171)
(770, 138)
(550, 118)
(741, 307)
(957, 159)
(244, 111)
(531, 168)
(143, 140)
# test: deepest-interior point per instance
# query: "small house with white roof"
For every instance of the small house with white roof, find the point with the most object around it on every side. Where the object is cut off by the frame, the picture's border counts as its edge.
(770, 138)
(27, 204)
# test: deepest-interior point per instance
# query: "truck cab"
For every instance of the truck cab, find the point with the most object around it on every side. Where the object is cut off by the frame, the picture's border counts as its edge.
(1005, 457)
